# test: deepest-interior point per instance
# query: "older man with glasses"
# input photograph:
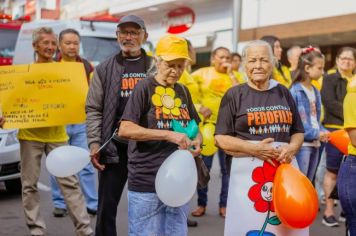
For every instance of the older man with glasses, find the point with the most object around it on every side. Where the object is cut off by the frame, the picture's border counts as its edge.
(110, 89)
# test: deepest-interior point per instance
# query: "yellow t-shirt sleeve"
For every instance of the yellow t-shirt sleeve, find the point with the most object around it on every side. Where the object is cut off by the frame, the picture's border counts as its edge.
(240, 77)
(350, 116)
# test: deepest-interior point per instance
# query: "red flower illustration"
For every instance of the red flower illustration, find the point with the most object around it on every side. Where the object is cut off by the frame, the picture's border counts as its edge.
(261, 192)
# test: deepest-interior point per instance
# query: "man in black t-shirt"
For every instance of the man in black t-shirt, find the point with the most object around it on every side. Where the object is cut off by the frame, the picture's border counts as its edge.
(110, 89)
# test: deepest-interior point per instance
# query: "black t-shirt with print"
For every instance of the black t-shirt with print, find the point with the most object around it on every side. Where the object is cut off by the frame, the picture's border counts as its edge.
(153, 106)
(250, 114)
(133, 73)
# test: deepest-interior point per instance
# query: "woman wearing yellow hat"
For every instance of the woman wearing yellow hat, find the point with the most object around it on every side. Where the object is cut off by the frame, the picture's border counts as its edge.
(147, 122)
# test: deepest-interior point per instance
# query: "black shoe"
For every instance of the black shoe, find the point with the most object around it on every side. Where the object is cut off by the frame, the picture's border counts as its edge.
(192, 223)
(330, 221)
(91, 212)
(60, 212)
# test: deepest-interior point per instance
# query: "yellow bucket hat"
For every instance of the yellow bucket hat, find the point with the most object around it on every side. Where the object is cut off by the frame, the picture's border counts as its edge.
(171, 47)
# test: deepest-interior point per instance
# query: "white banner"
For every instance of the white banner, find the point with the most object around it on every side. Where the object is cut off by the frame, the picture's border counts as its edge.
(250, 210)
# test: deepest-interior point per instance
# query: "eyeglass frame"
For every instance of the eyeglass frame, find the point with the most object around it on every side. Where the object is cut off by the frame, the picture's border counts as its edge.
(127, 33)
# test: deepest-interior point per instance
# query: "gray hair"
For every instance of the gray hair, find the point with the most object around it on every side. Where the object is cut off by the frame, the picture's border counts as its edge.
(292, 49)
(152, 71)
(257, 43)
(36, 35)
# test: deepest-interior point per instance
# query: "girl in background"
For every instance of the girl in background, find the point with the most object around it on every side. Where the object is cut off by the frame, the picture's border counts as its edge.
(308, 100)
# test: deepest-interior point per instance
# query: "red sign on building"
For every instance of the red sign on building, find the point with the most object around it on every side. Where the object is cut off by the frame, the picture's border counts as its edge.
(179, 20)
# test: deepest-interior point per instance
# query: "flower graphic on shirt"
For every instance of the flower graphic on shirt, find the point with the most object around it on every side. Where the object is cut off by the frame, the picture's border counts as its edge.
(261, 195)
(165, 98)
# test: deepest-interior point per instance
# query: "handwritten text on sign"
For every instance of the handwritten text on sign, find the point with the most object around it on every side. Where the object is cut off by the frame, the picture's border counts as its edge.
(43, 95)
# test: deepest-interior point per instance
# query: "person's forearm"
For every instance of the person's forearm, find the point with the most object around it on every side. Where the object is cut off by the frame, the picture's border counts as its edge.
(233, 145)
(199, 138)
(237, 154)
(296, 141)
(352, 135)
(132, 131)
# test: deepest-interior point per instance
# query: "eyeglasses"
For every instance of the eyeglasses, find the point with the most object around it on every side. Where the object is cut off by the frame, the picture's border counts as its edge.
(124, 33)
(346, 59)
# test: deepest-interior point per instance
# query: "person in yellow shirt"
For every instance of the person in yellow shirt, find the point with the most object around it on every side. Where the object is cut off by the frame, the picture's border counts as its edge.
(69, 44)
(347, 173)
(235, 61)
(34, 142)
(213, 82)
(333, 92)
(187, 80)
(281, 73)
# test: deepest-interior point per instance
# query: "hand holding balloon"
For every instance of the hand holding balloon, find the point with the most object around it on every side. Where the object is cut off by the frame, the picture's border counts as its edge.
(192, 131)
(180, 139)
(324, 136)
(95, 156)
(287, 153)
(340, 139)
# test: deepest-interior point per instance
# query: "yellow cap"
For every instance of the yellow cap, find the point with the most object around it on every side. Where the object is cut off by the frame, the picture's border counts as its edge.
(171, 47)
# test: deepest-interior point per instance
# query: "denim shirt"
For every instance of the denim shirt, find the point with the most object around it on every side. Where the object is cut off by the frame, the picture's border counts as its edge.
(303, 105)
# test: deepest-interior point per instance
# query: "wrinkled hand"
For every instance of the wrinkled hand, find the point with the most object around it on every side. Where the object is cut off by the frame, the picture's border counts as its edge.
(206, 112)
(324, 136)
(287, 153)
(265, 151)
(95, 157)
(180, 139)
(195, 147)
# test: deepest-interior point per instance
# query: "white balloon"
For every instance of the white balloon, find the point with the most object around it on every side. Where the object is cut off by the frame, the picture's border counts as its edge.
(67, 160)
(176, 179)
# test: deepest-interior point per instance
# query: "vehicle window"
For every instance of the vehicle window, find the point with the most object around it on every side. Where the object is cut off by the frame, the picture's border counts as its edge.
(97, 50)
(7, 42)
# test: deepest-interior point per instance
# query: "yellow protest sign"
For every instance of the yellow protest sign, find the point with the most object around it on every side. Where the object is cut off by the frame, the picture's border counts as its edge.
(43, 95)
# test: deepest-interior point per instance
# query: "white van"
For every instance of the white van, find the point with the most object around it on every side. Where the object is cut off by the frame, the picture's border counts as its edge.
(98, 39)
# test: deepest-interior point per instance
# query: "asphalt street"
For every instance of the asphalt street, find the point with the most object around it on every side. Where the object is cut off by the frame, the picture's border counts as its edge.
(12, 222)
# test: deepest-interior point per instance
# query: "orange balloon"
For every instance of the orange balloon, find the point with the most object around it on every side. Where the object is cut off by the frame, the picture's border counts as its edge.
(294, 197)
(340, 139)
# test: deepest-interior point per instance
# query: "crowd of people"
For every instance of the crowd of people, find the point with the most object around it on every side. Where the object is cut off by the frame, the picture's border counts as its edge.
(252, 100)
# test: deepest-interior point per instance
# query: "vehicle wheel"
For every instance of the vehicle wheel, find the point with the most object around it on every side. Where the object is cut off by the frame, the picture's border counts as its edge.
(13, 186)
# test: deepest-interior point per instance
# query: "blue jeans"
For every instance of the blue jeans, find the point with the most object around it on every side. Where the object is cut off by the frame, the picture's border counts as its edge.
(347, 191)
(77, 137)
(203, 193)
(307, 159)
(148, 216)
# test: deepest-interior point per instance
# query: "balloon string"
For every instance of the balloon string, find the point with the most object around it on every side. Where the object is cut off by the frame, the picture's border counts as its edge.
(106, 143)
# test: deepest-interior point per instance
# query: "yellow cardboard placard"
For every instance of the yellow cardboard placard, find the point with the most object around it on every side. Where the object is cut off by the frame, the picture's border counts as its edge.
(43, 94)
